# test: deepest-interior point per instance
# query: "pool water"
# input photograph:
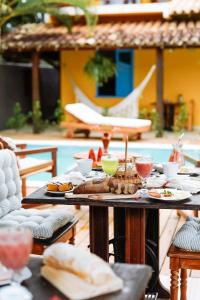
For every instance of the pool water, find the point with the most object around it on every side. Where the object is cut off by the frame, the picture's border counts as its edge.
(65, 153)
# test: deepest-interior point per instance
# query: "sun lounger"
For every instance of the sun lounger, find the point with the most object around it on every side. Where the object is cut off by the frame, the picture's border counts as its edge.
(86, 118)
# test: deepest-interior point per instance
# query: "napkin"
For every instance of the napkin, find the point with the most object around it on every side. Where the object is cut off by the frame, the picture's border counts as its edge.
(68, 267)
(156, 181)
(184, 183)
(75, 178)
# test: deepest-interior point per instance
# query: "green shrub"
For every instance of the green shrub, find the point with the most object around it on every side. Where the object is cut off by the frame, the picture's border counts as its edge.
(18, 119)
(181, 119)
(156, 123)
(105, 111)
(143, 113)
(59, 113)
(39, 124)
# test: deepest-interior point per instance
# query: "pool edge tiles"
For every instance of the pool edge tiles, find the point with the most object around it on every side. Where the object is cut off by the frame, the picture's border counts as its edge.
(98, 143)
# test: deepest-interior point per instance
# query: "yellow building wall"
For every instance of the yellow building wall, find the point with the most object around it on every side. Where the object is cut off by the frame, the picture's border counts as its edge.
(181, 76)
(73, 62)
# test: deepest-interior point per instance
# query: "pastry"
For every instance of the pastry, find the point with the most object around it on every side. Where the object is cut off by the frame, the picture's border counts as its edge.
(64, 187)
(59, 186)
(52, 186)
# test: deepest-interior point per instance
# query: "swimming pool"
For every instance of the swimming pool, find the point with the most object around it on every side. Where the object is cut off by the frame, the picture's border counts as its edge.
(160, 153)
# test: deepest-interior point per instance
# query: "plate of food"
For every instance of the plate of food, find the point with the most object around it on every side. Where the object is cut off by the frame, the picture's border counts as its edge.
(168, 195)
(59, 188)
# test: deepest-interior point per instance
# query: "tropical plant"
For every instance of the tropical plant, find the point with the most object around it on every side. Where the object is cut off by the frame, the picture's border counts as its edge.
(59, 113)
(156, 123)
(181, 119)
(10, 9)
(39, 124)
(100, 68)
(18, 119)
(143, 113)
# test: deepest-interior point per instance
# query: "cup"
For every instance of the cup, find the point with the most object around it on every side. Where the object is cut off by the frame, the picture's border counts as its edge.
(85, 166)
(170, 169)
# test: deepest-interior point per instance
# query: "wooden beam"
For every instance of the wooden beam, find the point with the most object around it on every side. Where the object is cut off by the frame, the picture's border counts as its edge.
(160, 80)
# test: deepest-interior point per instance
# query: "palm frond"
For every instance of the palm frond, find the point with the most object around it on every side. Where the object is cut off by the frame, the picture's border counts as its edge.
(13, 8)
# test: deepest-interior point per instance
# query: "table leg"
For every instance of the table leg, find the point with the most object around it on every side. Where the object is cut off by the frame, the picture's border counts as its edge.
(119, 234)
(135, 236)
(152, 242)
(99, 231)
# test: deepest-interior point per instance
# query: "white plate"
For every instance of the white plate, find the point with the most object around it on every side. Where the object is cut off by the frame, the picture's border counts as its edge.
(57, 193)
(178, 195)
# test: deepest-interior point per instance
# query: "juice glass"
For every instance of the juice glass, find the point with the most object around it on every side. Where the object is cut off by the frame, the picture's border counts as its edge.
(109, 164)
(144, 166)
(15, 247)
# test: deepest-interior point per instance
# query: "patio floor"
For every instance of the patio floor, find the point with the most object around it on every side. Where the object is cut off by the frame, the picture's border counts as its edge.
(170, 223)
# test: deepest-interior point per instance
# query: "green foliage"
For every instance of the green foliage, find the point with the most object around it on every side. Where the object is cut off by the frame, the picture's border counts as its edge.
(143, 113)
(181, 119)
(156, 123)
(105, 111)
(100, 68)
(39, 124)
(18, 119)
(59, 113)
(11, 9)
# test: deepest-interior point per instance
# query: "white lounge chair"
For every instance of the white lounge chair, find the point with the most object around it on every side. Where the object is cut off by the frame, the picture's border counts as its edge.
(86, 118)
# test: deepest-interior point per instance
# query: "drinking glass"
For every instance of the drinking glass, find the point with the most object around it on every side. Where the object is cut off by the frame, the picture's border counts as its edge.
(110, 164)
(15, 248)
(144, 166)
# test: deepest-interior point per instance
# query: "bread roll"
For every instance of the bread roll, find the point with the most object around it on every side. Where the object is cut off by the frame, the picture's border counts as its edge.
(87, 266)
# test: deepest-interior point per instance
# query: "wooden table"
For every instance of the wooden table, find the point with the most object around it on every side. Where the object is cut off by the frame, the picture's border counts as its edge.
(135, 279)
(136, 225)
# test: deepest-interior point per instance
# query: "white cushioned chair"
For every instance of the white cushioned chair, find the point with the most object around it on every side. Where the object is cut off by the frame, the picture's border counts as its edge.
(47, 226)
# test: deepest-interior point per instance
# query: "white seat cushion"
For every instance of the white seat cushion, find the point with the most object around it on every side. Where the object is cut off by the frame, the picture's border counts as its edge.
(87, 115)
(42, 223)
(10, 184)
(84, 113)
(188, 237)
(30, 162)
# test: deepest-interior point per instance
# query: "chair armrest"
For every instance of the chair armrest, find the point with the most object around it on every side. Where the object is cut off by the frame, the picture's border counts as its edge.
(52, 150)
(35, 151)
(192, 160)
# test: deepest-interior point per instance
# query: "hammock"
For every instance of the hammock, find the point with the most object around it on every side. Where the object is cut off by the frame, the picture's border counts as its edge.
(128, 107)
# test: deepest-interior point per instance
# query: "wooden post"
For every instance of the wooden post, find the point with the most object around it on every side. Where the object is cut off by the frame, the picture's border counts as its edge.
(35, 76)
(190, 115)
(159, 104)
(35, 82)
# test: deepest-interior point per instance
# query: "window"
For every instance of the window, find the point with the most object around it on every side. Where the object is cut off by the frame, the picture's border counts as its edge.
(121, 84)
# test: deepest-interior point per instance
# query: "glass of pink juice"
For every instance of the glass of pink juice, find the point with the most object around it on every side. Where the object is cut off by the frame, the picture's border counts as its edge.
(144, 166)
(15, 247)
